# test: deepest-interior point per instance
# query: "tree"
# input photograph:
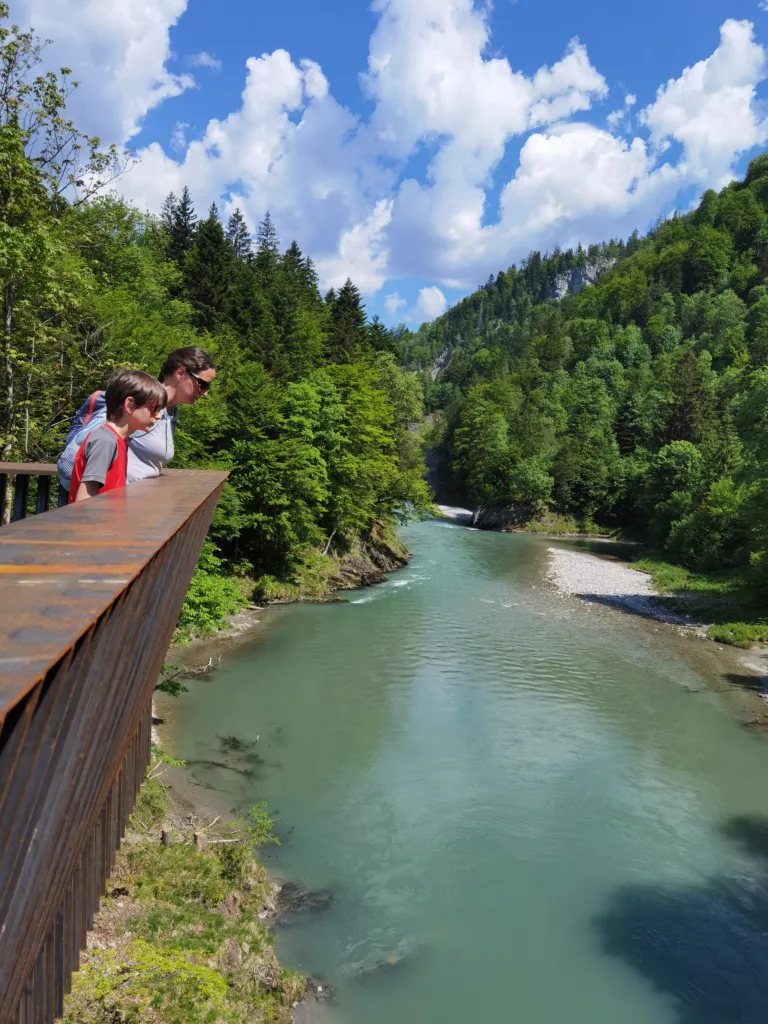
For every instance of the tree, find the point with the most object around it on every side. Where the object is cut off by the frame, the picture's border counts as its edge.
(267, 251)
(672, 484)
(380, 338)
(45, 164)
(183, 227)
(168, 212)
(348, 335)
(238, 236)
(208, 272)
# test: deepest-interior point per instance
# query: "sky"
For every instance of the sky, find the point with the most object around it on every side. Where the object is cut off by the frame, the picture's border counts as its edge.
(418, 146)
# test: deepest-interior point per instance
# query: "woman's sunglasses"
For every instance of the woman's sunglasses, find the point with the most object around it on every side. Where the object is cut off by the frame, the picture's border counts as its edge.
(204, 385)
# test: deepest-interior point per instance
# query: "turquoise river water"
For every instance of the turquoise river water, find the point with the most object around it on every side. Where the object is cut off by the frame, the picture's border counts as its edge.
(526, 809)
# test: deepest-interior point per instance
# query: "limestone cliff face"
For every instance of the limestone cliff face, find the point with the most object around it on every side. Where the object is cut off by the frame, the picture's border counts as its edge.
(505, 518)
(576, 280)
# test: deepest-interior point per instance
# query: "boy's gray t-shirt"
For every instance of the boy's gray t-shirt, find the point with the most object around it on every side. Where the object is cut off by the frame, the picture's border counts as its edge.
(100, 451)
(150, 450)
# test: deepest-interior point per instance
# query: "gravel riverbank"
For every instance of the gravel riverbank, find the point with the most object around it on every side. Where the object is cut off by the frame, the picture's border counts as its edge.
(610, 583)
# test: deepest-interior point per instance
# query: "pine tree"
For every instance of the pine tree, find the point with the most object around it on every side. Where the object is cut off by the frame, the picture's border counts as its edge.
(267, 251)
(208, 270)
(348, 335)
(381, 339)
(238, 236)
(292, 265)
(168, 212)
(184, 227)
(310, 276)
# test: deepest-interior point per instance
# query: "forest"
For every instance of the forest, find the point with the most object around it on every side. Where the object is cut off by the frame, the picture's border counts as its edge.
(309, 411)
(639, 404)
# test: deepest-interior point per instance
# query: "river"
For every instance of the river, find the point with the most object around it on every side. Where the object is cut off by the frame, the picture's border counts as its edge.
(538, 811)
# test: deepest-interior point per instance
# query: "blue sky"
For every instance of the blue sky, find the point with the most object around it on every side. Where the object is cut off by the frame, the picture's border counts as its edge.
(455, 154)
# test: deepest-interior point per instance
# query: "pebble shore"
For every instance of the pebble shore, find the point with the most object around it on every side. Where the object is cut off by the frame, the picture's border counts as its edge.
(604, 582)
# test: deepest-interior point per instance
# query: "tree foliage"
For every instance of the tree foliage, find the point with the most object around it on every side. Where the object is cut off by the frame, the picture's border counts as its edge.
(639, 402)
(310, 411)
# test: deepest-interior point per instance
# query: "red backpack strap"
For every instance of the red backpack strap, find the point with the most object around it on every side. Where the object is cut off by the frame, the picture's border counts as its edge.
(94, 396)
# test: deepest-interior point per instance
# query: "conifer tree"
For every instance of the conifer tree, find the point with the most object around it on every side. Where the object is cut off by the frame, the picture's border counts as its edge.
(168, 213)
(267, 251)
(208, 270)
(238, 236)
(380, 338)
(183, 228)
(348, 335)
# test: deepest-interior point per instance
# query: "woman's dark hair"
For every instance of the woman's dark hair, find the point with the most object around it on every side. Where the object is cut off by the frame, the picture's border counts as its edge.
(135, 384)
(192, 358)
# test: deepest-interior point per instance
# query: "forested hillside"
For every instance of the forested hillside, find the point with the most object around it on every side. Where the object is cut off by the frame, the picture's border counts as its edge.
(309, 409)
(641, 402)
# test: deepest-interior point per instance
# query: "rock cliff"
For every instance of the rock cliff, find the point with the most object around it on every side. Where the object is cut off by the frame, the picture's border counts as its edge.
(577, 279)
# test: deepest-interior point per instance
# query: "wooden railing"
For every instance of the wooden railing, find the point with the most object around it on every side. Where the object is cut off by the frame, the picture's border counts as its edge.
(15, 481)
(89, 597)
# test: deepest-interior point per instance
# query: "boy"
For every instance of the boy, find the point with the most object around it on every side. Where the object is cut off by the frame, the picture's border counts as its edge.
(134, 401)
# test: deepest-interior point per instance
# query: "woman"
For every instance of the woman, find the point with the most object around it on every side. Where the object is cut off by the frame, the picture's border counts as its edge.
(186, 375)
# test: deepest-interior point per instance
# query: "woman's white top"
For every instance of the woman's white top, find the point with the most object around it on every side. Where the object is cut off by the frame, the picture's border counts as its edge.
(150, 450)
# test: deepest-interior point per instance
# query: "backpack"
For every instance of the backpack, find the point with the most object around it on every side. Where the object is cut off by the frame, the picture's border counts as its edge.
(91, 414)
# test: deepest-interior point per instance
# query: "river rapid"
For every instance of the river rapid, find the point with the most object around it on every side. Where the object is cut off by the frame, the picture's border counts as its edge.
(526, 808)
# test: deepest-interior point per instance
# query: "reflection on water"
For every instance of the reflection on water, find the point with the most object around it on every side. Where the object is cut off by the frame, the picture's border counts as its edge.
(524, 808)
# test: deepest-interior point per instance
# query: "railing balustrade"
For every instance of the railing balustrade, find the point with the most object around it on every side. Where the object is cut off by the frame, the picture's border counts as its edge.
(89, 598)
(15, 481)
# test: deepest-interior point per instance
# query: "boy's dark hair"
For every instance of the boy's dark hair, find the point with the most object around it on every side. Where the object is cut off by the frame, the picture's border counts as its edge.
(141, 387)
(192, 358)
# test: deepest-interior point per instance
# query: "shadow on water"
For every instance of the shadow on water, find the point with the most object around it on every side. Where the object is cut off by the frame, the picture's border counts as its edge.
(753, 683)
(644, 606)
(706, 946)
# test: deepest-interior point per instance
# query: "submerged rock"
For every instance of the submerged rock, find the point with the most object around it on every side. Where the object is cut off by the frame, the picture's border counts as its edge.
(294, 899)
(390, 960)
(318, 990)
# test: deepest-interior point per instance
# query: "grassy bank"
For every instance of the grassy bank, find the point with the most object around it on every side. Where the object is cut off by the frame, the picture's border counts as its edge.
(723, 598)
(215, 595)
(180, 937)
(565, 526)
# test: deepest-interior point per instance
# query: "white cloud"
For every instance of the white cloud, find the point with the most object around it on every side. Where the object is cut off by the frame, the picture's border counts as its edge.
(393, 303)
(204, 60)
(118, 51)
(620, 118)
(362, 253)
(343, 187)
(431, 303)
(179, 136)
(711, 108)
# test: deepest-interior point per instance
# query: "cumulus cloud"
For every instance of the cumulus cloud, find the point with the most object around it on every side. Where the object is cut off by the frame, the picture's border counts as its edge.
(393, 303)
(119, 52)
(711, 108)
(430, 303)
(362, 253)
(179, 136)
(204, 60)
(441, 99)
(620, 118)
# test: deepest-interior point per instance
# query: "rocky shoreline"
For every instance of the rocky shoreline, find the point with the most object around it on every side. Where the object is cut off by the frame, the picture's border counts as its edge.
(600, 581)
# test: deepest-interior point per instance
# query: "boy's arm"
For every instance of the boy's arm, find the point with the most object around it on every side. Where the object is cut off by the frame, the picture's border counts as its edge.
(87, 489)
(100, 452)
